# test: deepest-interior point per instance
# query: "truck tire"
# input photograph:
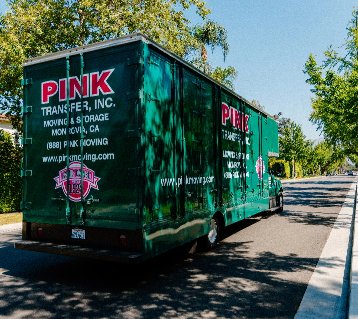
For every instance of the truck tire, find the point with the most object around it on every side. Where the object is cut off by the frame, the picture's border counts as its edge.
(280, 202)
(209, 241)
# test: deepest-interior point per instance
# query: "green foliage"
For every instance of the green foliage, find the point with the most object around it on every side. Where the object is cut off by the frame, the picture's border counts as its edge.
(213, 35)
(282, 122)
(257, 104)
(312, 164)
(226, 76)
(287, 169)
(210, 34)
(10, 180)
(294, 147)
(293, 143)
(301, 156)
(280, 167)
(35, 27)
(354, 159)
(329, 157)
(335, 85)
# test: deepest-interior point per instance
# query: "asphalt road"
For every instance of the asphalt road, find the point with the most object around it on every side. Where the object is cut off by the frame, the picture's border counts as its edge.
(260, 269)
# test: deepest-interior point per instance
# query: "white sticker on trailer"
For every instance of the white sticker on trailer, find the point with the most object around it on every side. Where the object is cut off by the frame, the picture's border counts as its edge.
(78, 233)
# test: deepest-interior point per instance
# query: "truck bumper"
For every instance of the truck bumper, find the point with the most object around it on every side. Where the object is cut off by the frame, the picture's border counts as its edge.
(79, 251)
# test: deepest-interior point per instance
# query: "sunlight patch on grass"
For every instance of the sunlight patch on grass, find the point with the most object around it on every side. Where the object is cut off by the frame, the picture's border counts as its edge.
(10, 218)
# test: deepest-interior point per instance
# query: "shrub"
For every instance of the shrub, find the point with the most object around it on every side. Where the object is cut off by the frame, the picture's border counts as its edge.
(277, 165)
(10, 180)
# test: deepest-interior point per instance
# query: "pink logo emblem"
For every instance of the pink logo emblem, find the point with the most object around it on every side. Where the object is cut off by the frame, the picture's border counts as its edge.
(260, 167)
(89, 181)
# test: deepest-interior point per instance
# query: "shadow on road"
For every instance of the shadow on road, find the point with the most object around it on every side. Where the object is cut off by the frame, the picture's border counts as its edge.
(229, 282)
(224, 283)
(317, 202)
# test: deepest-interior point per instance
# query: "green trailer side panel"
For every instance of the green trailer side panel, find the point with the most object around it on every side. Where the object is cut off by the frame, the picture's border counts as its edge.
(234, 155)
(179, 154)
(244, 159)
(199, 135)
(163, 217)
(272, 137)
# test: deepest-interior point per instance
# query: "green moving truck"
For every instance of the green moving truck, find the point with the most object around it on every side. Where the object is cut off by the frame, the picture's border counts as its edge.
(130, 151)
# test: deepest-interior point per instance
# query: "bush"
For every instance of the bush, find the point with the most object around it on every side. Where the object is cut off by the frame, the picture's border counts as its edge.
(276, 164)
(10, 180)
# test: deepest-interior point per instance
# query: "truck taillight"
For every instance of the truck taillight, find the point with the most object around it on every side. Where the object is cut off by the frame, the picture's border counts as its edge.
(123, 240)
(39, 231)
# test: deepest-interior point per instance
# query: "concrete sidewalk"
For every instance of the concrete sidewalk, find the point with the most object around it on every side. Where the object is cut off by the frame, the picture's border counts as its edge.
(328, 292)
(10, 227)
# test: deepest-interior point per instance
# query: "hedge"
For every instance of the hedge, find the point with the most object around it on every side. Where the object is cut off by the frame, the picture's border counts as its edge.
(10, 180)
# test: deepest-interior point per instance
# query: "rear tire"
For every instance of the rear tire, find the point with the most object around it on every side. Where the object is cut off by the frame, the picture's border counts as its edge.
(280, 203)
(209, 241)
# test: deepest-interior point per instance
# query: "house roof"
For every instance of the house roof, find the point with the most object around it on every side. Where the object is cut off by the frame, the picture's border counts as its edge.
(4, 118)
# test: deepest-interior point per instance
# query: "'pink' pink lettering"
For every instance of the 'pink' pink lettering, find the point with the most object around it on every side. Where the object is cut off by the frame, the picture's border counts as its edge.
(93, 84)
(225, 113)
(237, 119)
(99, 83)
(48, 89)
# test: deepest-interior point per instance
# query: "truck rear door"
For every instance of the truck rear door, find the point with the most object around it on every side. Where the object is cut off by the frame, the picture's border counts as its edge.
(82, 140)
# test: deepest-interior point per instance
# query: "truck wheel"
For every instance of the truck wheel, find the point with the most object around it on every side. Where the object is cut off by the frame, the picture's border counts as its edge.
(280, 203)
(209, 241)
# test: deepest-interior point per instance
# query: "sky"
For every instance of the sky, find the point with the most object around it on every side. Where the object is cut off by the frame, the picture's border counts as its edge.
(270, 41)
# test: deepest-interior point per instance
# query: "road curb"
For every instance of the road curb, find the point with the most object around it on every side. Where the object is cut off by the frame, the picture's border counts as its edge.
(353, 297)
(327, 287)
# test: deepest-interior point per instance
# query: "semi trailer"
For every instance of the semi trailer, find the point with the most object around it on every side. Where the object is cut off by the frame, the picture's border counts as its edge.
(129, 151)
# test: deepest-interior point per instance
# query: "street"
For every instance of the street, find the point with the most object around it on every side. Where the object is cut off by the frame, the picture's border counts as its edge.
(260, 269)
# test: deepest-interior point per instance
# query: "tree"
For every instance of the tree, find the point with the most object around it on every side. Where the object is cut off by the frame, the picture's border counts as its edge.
(335, 107)
(282, 122)
(328, 157)
(296, 149)
(212, 34)
(226, 76)
(257, 104)
(35, 27)
(293, 144)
